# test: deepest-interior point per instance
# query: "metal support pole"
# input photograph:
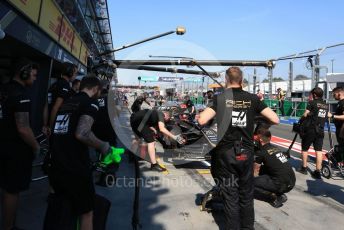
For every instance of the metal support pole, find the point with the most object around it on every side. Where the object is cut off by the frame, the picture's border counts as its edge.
(254, 80)
(317, 70)
(270, 76)
(291, 73)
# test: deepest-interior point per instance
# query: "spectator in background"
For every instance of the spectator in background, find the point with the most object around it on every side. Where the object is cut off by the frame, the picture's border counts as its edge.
(210, 96)
(260, 95)
(190, 107)
(280, 98)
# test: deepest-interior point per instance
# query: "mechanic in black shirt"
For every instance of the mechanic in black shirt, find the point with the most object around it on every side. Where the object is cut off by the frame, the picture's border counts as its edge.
(313, 121)
(136, 106)
(146, 123)
(75, 86)
(60, 91)
(17, 141)
(103, 129)
(232, 158)
(338, 117)
(71, 174)
(276, 176)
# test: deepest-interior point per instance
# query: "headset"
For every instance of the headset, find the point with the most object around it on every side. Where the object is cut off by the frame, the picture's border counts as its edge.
(25, 72)
(68, 69)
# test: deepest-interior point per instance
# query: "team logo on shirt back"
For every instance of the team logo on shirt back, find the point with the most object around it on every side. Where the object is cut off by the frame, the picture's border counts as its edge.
(239, 119)
(62, 124)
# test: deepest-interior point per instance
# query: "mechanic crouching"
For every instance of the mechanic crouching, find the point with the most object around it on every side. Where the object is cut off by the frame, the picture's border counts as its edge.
(276, 176)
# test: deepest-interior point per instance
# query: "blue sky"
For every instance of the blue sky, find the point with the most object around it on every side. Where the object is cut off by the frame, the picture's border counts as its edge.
(234, 30)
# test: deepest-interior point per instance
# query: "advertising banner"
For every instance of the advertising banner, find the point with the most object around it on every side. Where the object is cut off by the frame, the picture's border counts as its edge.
(67, 35)
(28, 7)
(51, 19)
(83, 54)
(76, 45)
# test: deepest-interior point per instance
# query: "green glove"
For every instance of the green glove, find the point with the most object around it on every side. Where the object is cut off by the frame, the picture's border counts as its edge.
(114, 156)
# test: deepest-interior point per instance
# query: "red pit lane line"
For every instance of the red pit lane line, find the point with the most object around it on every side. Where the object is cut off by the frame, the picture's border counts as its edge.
(285, 143)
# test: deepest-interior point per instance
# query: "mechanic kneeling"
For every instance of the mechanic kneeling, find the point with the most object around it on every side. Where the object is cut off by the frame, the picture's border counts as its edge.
(276, 176)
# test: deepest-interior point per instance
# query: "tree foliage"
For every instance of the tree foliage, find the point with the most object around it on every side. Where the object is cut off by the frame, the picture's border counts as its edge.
(301, 77)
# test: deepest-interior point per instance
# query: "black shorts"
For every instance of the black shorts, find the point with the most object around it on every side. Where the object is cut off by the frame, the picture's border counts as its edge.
(15, 168)
(77, 189)
(146, 133)
(312, 138)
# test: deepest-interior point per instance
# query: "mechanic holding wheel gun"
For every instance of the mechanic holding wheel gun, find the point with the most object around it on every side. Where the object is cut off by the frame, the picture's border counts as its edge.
(71, 173)
(232, 158)
(145, 123)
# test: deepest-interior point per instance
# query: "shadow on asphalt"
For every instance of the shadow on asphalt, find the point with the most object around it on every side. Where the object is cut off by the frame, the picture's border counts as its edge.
(324, 189)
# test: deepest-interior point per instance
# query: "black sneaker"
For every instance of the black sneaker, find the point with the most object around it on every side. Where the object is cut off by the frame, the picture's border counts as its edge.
(277, 203)
(158, 168)
(303, 170)
(316, 174)
(283, 198)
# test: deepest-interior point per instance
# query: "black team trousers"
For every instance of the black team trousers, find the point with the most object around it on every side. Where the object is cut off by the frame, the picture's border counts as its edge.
(233, 174)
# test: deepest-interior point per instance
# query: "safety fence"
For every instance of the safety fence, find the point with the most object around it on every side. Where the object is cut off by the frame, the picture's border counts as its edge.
(291, 108)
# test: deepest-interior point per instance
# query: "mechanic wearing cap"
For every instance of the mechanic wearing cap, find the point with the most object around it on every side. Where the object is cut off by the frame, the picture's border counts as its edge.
(60, 91)
(312, 123)
(145, 123)
(71, 174)
(17, 141)
(276, 175)
(232, 158)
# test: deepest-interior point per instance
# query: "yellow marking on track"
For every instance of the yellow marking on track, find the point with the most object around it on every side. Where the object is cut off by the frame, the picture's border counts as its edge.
(162, 165)
(203, 171)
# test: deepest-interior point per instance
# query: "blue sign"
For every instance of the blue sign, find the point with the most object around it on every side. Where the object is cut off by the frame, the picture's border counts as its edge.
(149, 78)
(193, 80)
(170, 79)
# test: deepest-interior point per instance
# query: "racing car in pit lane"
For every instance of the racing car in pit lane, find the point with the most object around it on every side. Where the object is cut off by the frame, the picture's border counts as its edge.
(199, 140)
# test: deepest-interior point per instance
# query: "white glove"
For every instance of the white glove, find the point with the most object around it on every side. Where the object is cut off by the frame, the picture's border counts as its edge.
(179, 139)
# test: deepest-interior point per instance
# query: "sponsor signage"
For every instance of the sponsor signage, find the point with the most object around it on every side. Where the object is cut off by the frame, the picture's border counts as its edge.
(51, 19)
(60, 32)
(28, 7)
(83, 54)
(76, 46)
(66, 35)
